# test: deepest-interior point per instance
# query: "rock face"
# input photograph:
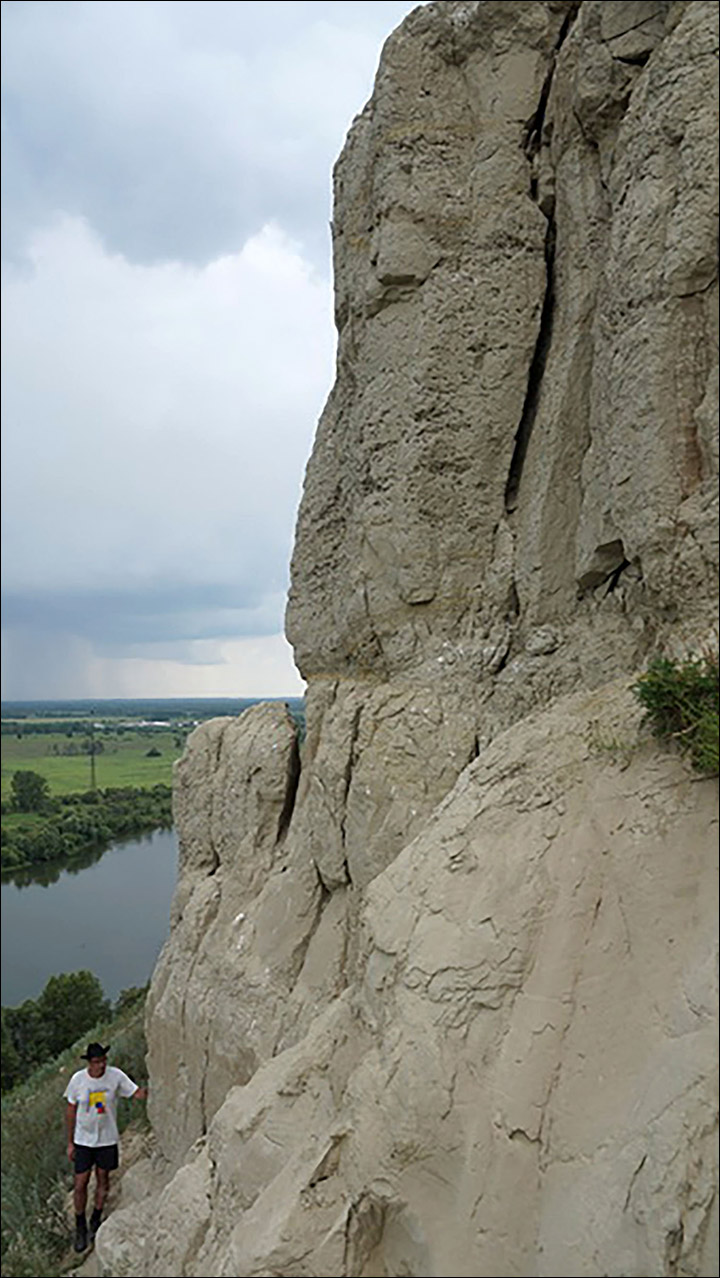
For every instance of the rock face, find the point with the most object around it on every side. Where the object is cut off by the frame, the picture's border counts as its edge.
(521, 434)
(439, 994)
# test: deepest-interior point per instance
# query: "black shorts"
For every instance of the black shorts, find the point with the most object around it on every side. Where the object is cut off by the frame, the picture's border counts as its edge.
(103, 1156)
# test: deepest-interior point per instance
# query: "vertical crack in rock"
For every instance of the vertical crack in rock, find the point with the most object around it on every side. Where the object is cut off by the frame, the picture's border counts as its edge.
(291, 788)
(531, 146)
(535, 376)
(213, 796)
(374, 644)
(203, 1084)
(349, 767)
(533, 132)
(513, 605)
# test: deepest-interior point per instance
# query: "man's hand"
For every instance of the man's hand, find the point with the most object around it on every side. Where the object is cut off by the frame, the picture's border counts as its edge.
(140, 1094)
(71, 1150)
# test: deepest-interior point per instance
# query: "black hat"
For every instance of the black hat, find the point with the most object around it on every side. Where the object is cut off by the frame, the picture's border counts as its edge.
(95, 1050)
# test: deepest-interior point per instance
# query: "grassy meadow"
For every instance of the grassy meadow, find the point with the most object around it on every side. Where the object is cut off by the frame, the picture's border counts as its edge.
(123, 762)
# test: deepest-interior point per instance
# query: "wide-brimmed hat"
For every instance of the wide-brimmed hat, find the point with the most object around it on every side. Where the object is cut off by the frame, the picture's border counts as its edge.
(95, 1050)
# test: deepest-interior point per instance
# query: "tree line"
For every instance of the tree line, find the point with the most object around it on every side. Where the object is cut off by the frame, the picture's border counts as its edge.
(83, 728)
(72, 823)
(19, 728)
(70, 1005)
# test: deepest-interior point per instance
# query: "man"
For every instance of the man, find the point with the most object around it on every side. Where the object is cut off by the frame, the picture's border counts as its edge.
(92, 1132)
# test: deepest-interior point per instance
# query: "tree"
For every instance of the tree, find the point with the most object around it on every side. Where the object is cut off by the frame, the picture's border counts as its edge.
(129, 998)
(70, 1004)
(25, 1033)
(30, 792)
(11, 1068)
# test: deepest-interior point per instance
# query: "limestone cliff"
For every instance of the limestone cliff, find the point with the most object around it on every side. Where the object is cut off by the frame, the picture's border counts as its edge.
(439, 995)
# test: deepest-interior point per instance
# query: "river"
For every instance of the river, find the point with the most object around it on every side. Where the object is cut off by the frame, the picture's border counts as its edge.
(110, 916)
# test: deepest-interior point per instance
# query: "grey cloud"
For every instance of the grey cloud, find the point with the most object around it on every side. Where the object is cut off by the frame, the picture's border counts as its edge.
(166, 344)
(158, 420)
(115, 620)
(178, 129)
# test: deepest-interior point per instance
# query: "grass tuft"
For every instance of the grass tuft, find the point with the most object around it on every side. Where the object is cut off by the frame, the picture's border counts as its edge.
(681, 703)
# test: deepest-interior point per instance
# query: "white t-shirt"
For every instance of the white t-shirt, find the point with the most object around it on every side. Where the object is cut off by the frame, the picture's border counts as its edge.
(96, 1100)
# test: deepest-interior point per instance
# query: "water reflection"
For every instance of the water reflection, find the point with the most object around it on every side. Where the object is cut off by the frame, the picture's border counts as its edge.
(50, 871)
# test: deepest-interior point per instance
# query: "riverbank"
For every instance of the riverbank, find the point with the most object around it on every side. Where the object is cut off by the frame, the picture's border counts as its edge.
(66, 827)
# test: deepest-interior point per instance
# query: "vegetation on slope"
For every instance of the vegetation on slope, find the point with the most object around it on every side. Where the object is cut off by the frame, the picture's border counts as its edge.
(681, 702)
(36, 1174)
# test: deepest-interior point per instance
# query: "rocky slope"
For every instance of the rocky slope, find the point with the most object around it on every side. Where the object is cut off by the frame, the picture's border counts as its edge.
(439, 994)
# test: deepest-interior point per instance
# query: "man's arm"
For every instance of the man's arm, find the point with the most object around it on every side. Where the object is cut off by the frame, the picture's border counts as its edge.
(129, 1088)
(70, 1116)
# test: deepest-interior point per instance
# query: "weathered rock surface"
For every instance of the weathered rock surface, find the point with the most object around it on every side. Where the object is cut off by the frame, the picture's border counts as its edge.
(443, 999)
(520, 1078)
(233, 793)
(526, 413)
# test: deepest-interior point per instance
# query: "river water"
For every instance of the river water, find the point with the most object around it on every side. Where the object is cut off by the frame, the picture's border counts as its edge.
(110, 916)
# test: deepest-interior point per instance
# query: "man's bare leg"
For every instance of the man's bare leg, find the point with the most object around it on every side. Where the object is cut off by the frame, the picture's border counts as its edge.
(80, 1190)
(102, 1188)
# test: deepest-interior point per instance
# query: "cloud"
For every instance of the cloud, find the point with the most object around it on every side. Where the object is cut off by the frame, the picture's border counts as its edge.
(157, 422)
(50, 666)
(179, 129)
(167, 327)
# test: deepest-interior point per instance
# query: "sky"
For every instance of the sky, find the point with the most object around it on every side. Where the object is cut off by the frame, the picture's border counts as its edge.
(167, 330)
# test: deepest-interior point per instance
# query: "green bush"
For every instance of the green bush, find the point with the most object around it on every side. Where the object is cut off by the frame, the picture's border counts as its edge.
(681, 704)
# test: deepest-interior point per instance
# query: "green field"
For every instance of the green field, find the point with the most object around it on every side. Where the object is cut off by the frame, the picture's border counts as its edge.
(123, 761)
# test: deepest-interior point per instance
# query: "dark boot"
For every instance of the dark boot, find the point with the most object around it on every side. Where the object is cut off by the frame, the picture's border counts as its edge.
(95, 1220)
(81, 1239)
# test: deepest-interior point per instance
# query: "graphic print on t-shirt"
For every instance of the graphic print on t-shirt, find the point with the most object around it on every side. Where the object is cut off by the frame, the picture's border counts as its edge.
(97, 1102)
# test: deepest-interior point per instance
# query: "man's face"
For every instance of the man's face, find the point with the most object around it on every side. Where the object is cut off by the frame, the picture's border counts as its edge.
(96, 1066)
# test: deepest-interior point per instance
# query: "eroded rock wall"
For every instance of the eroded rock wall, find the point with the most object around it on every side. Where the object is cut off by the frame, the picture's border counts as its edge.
(521, 431)
(521, 1077)
(513, 490)
(209, 1023)
(442, 999)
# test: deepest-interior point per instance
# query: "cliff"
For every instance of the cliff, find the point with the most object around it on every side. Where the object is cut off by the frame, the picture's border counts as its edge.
(439, 994)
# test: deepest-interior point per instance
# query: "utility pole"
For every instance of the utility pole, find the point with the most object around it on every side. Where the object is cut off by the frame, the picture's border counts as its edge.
(93, 782)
